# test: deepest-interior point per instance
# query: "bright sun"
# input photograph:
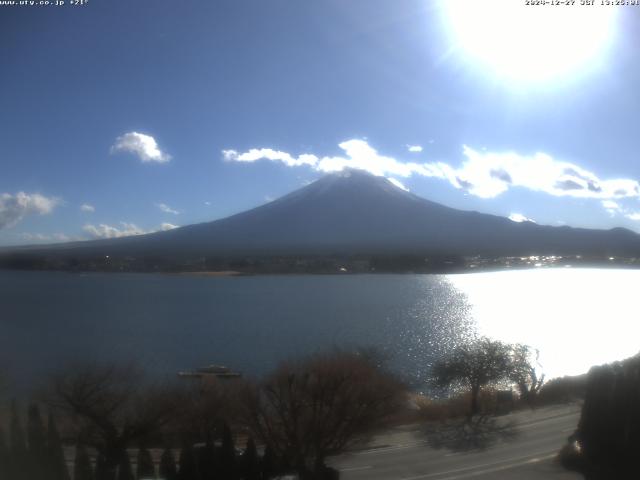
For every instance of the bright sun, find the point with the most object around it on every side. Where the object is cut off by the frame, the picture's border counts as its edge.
(530, 43)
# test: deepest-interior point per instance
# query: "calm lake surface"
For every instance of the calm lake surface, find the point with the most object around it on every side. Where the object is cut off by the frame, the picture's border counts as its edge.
(167, 323)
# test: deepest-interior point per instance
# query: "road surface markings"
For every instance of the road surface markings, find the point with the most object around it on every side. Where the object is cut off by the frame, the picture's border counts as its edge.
(471, 471)
(374, 451)
(533, 421)
(355, 469)
(504, 467)
(555, 420)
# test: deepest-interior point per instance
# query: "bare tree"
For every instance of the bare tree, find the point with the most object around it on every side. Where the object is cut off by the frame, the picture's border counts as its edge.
(526, 371)
(205, 407)
(112, 408)
(473, 366)
(319, 407)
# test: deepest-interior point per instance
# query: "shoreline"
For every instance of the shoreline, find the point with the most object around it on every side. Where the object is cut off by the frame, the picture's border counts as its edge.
(236, 273)
(461, 270)
(208, 273)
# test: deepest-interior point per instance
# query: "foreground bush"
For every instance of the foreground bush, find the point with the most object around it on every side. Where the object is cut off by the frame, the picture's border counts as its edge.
(473, 366)
(112, 408)
(302, 413)
(319, 407)
(455, 407)
(562, 390)
(608, 435)
(35, 454)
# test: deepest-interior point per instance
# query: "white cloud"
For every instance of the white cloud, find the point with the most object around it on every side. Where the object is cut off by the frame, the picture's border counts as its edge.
(125, 229)
(359, 155)
(167, 209)
(108, 231)
(519, 218)
(268, 154)
(208, 204)
(14, 208)
(614, 208)
(42, 238)
(611, 207)
(414, 148)
(144, 146)
(483, 174)
(488, 174)
(398, 183)
(85, 207)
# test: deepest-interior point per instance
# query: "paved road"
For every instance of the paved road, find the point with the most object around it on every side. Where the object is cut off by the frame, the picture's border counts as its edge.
(522, 446)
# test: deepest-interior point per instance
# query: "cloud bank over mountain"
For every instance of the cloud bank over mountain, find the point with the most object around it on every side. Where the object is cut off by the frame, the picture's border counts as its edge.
(124, 229)
(483, 174)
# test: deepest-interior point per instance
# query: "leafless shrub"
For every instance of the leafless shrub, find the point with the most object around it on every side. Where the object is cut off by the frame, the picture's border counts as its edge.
(526, 372)
(320, 406)
(471, 367)
(205, 407)
(111, 407)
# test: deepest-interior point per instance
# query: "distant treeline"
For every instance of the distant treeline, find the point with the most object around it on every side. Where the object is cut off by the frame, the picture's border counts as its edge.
(243, 264)
(283, 264)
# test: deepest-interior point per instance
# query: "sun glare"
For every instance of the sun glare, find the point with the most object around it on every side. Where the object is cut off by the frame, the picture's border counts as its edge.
(529, 43)
(561, 312)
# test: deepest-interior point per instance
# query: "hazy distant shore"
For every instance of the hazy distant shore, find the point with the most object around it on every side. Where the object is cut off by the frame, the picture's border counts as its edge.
(312, 264)
(215, 273)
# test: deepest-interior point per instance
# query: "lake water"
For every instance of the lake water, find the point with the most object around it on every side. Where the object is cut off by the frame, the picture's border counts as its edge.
(167, 323)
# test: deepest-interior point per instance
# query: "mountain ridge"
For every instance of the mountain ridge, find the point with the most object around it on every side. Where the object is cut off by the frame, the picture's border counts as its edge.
(354, 212)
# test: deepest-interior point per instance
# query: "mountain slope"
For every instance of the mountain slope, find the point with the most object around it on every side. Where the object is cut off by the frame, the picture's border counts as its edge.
(353, 212)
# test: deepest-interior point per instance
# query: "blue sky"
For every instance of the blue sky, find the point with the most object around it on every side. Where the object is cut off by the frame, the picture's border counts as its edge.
(122, 117)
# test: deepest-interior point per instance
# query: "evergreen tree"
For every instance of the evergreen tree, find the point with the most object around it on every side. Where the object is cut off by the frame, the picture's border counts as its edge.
(4, 456)
(268, 465)
(145, 468)
(284, 465)
(228, 467)
(206, 461)
(188, 468)
(19, 463)
(102, 471)
(168, 470)
(125, 472)
(250, 463)
(56, 463)
(37, 443)
(82, 465)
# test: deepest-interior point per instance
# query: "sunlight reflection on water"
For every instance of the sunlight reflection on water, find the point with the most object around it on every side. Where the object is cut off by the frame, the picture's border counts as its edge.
(576, 317)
